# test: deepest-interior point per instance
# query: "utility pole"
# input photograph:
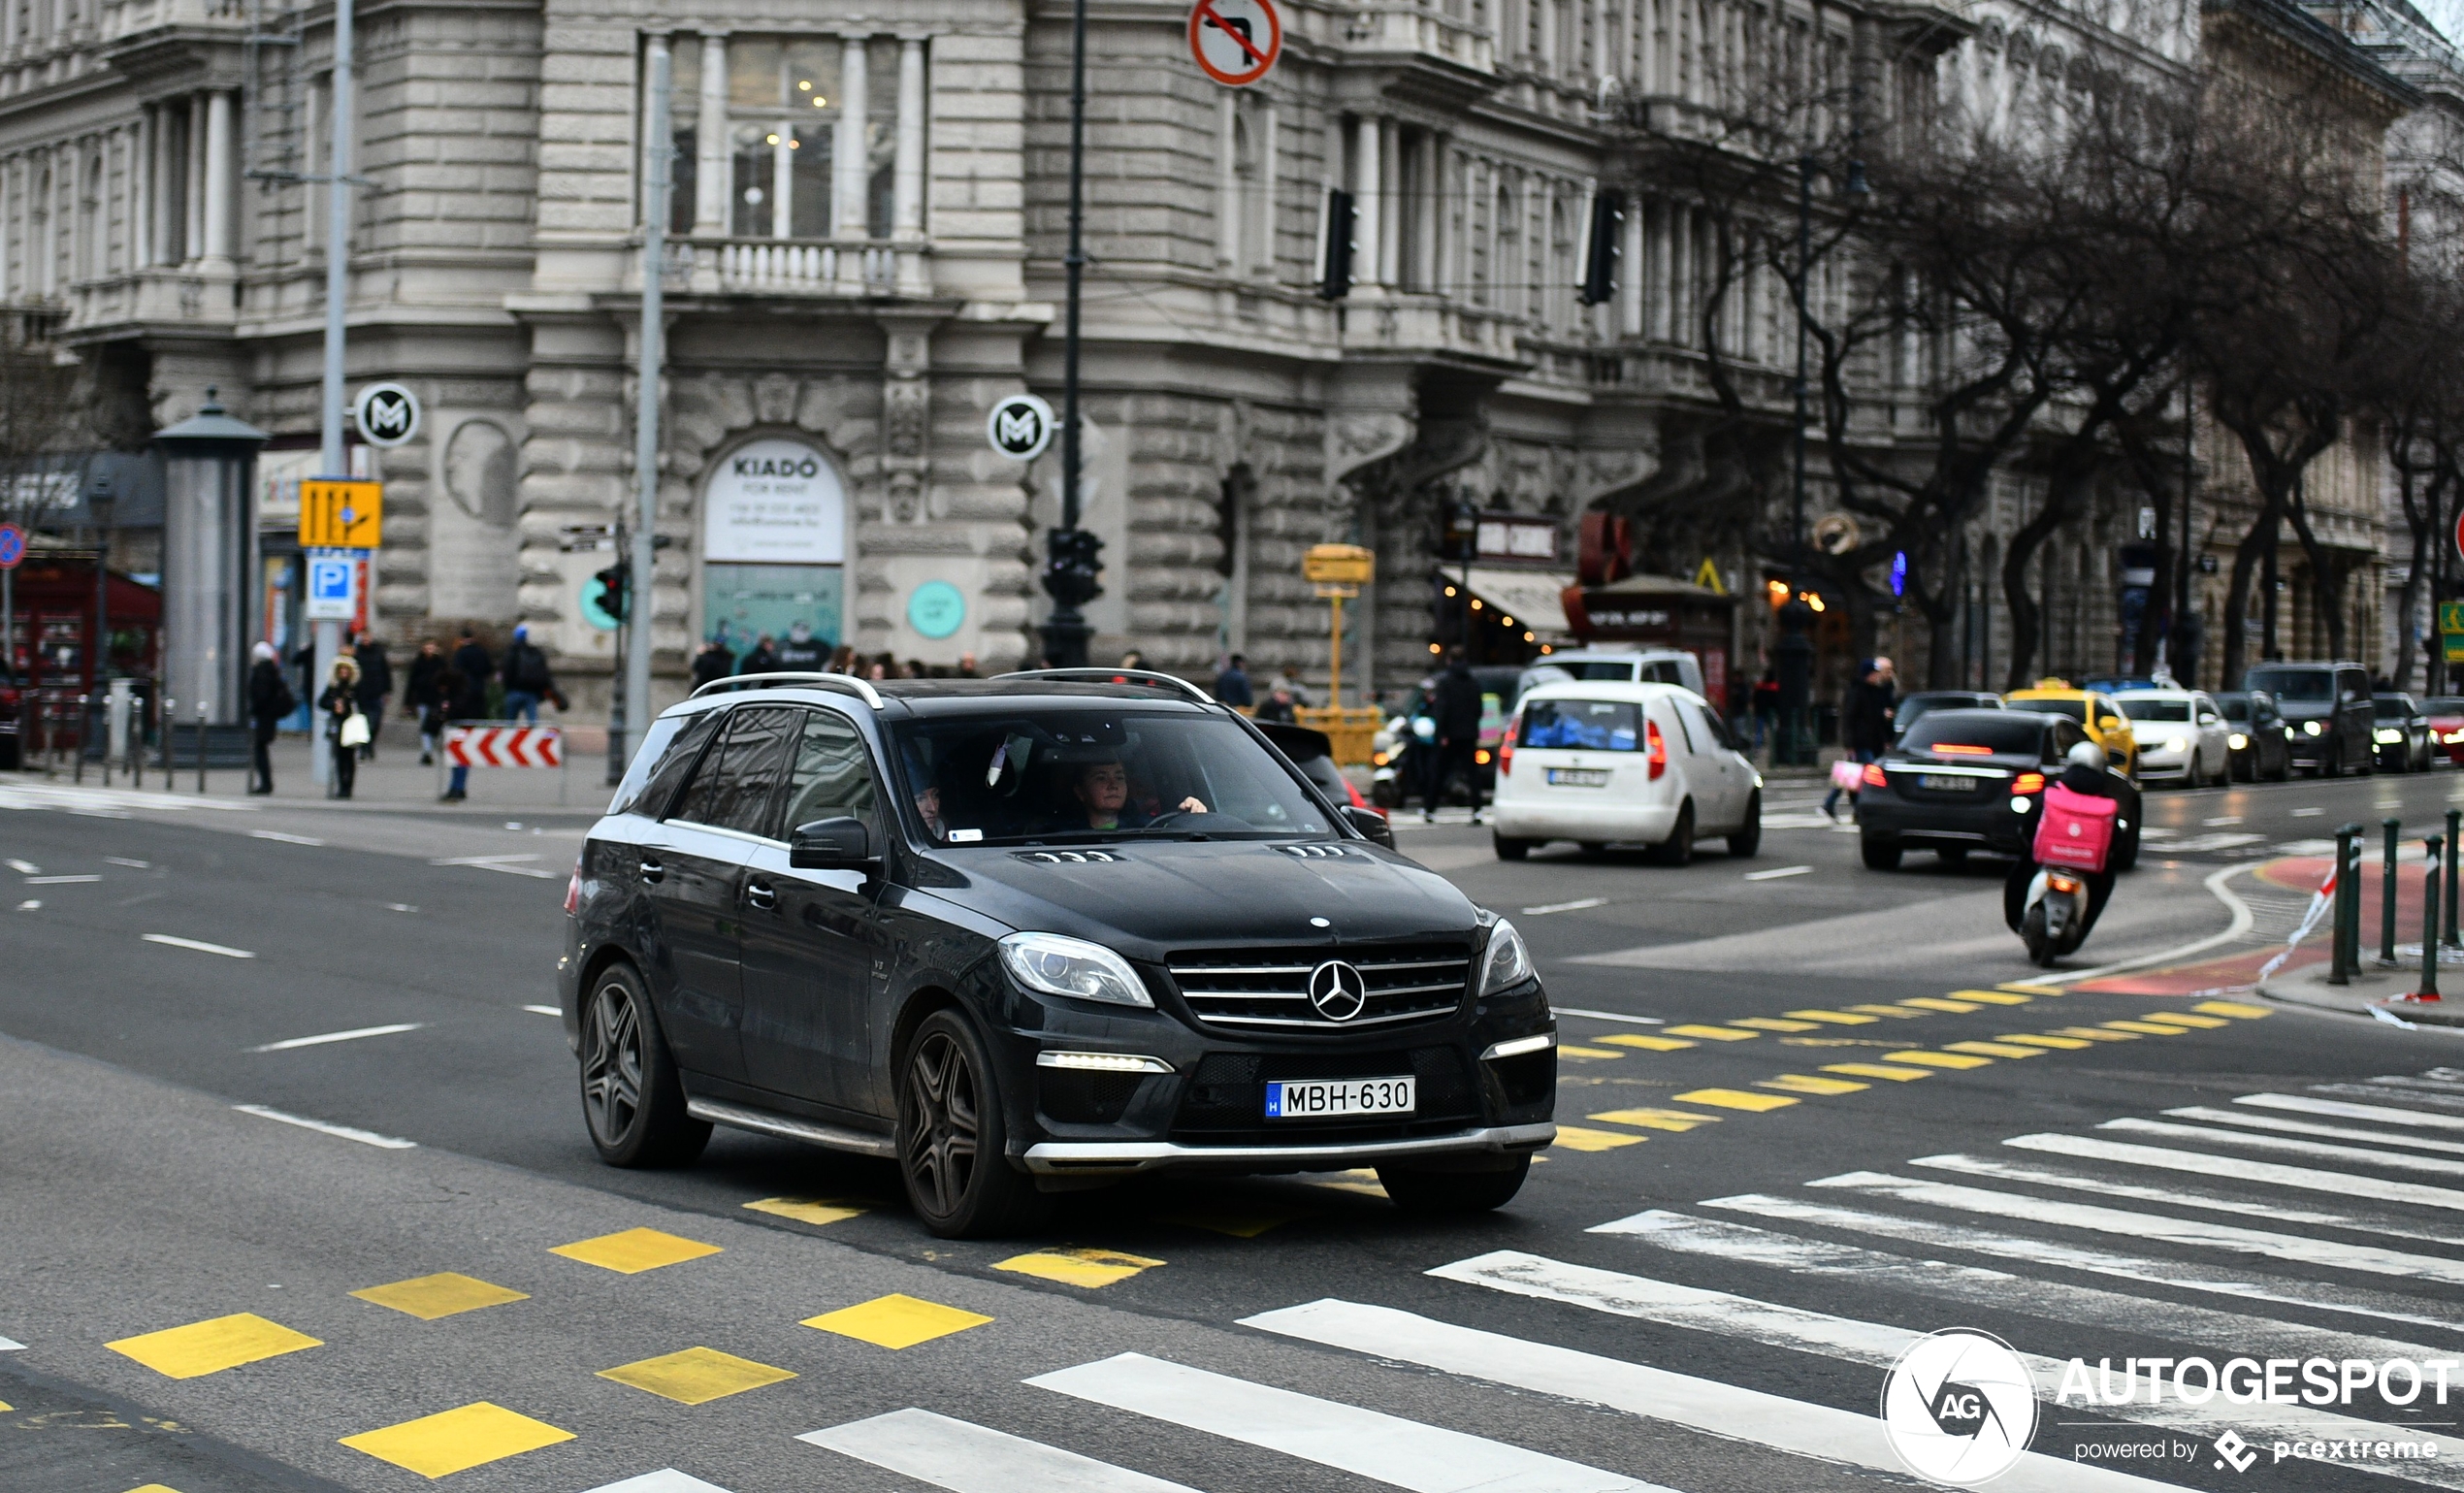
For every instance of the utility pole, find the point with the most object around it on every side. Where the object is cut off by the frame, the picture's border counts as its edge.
(1070, 566)
(331, 460)
(633, 693)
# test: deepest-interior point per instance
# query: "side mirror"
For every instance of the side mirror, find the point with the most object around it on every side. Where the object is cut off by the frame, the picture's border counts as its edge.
(832, 845)
(1370, 822)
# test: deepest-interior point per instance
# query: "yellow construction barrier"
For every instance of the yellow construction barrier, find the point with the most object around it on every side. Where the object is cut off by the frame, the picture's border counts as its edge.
(1348, 728)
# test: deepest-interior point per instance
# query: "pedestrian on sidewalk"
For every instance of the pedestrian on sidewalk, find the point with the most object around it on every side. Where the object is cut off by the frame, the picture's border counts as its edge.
(1864, 724)
(803, 652)
(1457, 713)
(472, 661)
(343, 728)
(762, 659)
(1278, 704)
(460, 697)
(375, 684)
(1290, 684)
(527, 679)
(269, 700)
(712, 663)
(1232, 685)
(420, 697)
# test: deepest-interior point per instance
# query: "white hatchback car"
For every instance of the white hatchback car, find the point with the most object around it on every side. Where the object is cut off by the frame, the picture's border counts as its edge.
(1598, 761)
(2182, 735)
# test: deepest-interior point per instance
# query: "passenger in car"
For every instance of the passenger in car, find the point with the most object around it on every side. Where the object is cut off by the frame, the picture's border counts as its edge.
(1102, 792)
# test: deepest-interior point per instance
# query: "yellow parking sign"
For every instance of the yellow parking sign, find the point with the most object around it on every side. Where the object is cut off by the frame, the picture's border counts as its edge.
(340, 513)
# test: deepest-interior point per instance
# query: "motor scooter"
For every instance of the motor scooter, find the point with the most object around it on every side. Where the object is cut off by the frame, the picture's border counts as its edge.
(2055, 918)
(1396, 771)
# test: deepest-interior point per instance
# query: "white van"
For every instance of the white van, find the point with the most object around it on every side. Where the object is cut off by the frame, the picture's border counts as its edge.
(1654, 666)
(1598, 761)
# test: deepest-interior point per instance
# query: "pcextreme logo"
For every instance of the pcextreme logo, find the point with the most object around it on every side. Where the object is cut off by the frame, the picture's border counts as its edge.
(1960, 1407)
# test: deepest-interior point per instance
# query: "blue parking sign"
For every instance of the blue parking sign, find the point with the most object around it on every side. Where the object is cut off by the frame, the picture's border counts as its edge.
(329, 588)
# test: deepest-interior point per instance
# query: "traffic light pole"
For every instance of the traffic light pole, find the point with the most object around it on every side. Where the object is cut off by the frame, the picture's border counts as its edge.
(1069, 563)
(325, 634)
(632, 699)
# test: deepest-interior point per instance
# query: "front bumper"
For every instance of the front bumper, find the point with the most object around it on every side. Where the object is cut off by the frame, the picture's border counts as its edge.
(1080, 1156)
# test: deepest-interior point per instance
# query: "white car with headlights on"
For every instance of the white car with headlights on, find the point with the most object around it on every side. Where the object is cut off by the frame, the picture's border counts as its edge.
(1602, 763)
(2183, 737)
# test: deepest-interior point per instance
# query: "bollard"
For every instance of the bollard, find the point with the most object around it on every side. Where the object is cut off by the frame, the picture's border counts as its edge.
(200, 756)
(84, 739)
(2344, 941)
(2454, 843)
(167, 719)
(2352, 904)
(2430, 926)
(2386, 905)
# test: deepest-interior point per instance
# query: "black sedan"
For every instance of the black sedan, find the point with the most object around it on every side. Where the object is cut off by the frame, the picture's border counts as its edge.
(2400, 739)
(1914, 706)
(1964, 780)
(2261, 743)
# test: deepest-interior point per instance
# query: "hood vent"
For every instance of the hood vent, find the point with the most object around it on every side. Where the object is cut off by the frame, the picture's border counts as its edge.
(1069, 857)
(1315, 851)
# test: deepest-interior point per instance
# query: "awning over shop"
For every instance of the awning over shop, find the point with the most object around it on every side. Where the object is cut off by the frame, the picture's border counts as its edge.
(1534, 599)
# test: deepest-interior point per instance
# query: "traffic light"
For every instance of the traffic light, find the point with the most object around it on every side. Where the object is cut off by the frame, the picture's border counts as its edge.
(1600, 262)
(1072, 570)
(612, 588)
(1334, 281)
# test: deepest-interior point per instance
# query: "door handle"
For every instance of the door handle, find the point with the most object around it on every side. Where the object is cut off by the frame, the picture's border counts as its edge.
(652, 871)
(762, 896)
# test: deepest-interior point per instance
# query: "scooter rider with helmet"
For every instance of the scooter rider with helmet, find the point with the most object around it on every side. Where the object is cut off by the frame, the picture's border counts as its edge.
(2083, 773)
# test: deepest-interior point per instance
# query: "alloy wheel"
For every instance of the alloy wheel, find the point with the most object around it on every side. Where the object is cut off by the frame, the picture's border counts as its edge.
(612, 1064)
(942, 1126)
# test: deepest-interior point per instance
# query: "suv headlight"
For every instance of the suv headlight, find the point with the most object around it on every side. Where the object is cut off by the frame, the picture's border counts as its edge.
(1509, 962)
(2388, 737)
(1073, 967)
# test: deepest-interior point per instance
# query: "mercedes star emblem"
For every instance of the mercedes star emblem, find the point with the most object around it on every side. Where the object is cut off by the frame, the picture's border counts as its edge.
(1337, 991)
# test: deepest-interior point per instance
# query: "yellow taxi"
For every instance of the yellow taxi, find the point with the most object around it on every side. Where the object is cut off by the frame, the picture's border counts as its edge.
(2096, 712)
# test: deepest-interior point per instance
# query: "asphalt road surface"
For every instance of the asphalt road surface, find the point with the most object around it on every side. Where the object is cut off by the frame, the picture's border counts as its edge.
(1810, 1114)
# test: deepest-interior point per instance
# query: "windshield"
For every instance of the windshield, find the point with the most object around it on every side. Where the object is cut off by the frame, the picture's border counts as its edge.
(1032, 776)
(1591, 725)
(2310, 685)
(1597, 668)
(2068, 710)
(1962, 735)
(2391, 707)
(2139, 708)
(2236, 707)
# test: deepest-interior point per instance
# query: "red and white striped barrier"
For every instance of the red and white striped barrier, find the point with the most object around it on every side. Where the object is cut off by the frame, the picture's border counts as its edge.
(505, 746)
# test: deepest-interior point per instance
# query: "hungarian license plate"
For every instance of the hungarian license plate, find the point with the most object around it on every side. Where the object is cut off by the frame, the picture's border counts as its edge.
(1945, 782)
(1337, 1098)
(1579, 777)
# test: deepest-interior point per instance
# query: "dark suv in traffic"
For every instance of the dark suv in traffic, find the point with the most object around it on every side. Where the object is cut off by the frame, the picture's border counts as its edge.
(2329, 710)
(1027, 934)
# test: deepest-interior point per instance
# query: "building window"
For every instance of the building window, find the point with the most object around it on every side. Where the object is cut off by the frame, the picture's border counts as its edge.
(777, 117)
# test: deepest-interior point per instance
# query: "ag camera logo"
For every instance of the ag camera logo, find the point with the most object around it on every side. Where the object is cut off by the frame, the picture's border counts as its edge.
(1960, 1407)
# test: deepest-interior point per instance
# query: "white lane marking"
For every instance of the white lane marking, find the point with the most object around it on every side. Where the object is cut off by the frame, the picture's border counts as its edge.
(1727, 1410)
(2250, 1121)
(134, 865)
(2191, 1232)
(664, 1481)
(1775, 875)
(346, 1132)
(2223, 819)
(353, 1035)
(1577, 905)
(2124, 1267)
(2057, 1301)
(402, 907)
(25, 867)
(1386, 1449)
(30, 904)
(2381, 1113)
(202, 948)
(544, 1010)
(1609, 1016)
(2273, 1210)
(505, 864)
(2198, 843)
(2447, 1198)
(287, 839)
(969, 1458)
(59, 880)
(9, 1344)
(2307, 812)
(1874, 1343)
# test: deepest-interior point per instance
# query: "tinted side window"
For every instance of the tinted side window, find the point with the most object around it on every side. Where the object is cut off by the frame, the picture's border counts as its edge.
(657, 788)
(738, 783)
(2352, 684)
(832, 777)
(2067, 734)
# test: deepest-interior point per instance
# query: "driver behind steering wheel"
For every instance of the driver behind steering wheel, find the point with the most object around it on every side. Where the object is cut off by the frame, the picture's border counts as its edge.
(1102, 792)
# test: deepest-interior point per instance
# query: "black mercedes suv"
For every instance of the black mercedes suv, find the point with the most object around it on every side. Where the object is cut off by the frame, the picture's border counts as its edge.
(1031, 934)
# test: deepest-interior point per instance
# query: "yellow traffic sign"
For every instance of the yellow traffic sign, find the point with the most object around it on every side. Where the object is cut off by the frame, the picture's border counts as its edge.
(1340, 564)
(1707, 577)
(340, 513)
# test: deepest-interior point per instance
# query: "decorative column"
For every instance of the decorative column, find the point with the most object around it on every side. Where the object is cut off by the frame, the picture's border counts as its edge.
(1368, 154)
(192, 175)
(1392, 182)
(141, 190)
(221, 186)
(711, 158)
(1270, 145)
(851, 163)
(1227, 181)
(907, 178)
(1429, 193)
(159, 219)
(1634, 269)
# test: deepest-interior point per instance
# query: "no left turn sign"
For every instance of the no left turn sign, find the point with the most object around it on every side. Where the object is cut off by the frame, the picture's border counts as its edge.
(1235, 41)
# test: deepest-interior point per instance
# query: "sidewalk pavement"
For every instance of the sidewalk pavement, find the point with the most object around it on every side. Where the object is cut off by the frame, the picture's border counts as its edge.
(2376, 990)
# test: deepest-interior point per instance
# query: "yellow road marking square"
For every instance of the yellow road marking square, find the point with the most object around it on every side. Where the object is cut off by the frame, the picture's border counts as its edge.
(431, 1297)
(2150, 1029)
(1735, 1099)
(2185, 1019)
(1808, 1084)
(151, 1488)
(807, 1210)
(1584, 1138)
(2057, 1044)
(1772, 1023)
(456, 1439)
(2248, 1013)
(1835, 1018)
(1890, 1011)
(1940, 1059)
(1713, 1033)
(1242, 1221)
(1677, 1120)
(212, 1346)
(1988, 997)
(2093, 1034)
(1362, 1180)
(1937, 1003)
(1634, 1039)
(897, 1322)
(1575, 1050)
(1992, 1049)
(1879, 1071)
(635, 1250)
(697, 1375)
(1089, 1268)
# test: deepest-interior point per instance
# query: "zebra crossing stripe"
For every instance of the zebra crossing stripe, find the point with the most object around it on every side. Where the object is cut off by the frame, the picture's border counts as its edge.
(1369, 1443)
(1878, 1344)
(2057, 1301)
(2411, 1191)
(2379, 1091)
(2382, 1114)
(2000, 1170)
(2193, 1232)
(2279, 1126)
(969, 1458)
(664, 1481)
(1730, 1412)
(2410, 1311)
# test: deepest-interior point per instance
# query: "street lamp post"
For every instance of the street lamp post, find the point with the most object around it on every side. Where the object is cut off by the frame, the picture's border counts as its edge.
(1070, 564)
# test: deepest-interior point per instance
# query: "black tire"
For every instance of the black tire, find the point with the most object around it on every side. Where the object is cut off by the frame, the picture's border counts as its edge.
(1881, 852)
(1952, 854)
(2283, 774)
(1678, 848)
(2031, 932)
(1748, 840)
(631, 1102)
(1456, 1192)
(952, 1137)
(2125, 850)
(2244, 771)
(1509, 850)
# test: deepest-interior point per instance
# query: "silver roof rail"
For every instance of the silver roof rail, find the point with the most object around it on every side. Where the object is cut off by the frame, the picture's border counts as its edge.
(1095, 675)
(811, 681)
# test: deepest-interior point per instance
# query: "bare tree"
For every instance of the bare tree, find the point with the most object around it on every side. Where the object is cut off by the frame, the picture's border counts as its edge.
(43, 419)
